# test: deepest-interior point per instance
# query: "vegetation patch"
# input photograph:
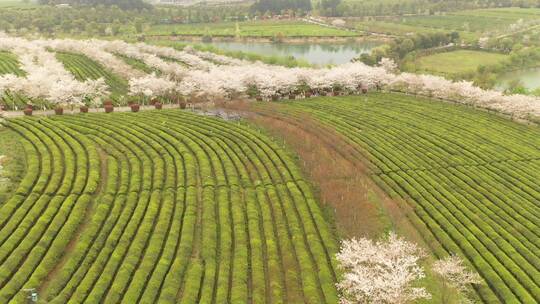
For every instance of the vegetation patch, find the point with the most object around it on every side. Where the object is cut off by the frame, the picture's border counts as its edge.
(458, 62)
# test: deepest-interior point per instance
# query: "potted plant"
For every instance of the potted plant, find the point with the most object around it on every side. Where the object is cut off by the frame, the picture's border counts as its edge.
(107, 102)
(28, 111)
(58, 110)
(135, 107)
(109, 108)
(182, 105)
(158, 105)
(83, 109)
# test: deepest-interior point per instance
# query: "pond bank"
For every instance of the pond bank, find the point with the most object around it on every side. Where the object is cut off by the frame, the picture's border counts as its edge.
(269, 39)
(319, 53)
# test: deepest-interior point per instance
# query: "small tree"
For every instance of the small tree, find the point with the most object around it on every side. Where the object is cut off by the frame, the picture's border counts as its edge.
(455, 275)
(380, 272)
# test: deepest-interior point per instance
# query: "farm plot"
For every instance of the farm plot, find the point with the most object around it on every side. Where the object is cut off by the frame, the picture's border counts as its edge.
(10, 65)
(161, 207)
(84, 68)
(472, 179)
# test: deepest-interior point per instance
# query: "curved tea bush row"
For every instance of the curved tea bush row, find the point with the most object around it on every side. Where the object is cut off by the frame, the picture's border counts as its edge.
(189, 209)
(84, 68)
(471, 178)
(44, 217)
(138, 64)
(9, 64)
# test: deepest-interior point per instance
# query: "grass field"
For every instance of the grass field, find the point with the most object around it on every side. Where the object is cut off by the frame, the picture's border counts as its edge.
(167, 207)
(457, 62)
(250, 29)
(17, 4)
(471, 179)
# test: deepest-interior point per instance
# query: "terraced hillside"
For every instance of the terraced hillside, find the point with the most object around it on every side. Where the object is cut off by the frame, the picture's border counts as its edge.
(472, 178)
(161, 207)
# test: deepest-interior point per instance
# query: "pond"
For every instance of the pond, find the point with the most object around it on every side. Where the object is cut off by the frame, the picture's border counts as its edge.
(529, 78)
(318, 53)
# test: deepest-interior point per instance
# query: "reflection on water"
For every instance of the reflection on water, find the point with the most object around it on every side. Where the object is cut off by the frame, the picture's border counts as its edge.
(320, 53)
(529, 78)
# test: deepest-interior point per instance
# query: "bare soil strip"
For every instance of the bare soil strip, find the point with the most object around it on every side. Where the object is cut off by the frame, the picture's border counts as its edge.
(339, 173)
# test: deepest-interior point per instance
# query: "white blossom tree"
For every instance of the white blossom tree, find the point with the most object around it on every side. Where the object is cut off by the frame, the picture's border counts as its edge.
(388, 65)
(151, 86)
(380, 272)
(454, 274)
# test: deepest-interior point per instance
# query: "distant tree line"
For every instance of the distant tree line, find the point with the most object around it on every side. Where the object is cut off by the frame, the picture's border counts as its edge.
(278, 6)
(123, 4)
(109, 20)
(399, 48)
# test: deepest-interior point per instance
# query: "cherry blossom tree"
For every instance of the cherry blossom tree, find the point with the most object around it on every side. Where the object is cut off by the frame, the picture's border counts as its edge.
(388, 65)
(383, 271)
(150, 86)
(455, 274)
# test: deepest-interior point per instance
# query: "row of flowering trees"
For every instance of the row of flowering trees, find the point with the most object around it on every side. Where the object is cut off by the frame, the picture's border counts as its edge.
(389, 270)
(190, 72)
(45, 77)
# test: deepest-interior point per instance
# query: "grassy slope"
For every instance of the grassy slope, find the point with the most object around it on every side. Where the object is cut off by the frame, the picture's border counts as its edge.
(457, 62)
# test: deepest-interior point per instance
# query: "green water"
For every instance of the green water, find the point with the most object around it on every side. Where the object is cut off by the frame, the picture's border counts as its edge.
(529, 78)
(319, 53)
